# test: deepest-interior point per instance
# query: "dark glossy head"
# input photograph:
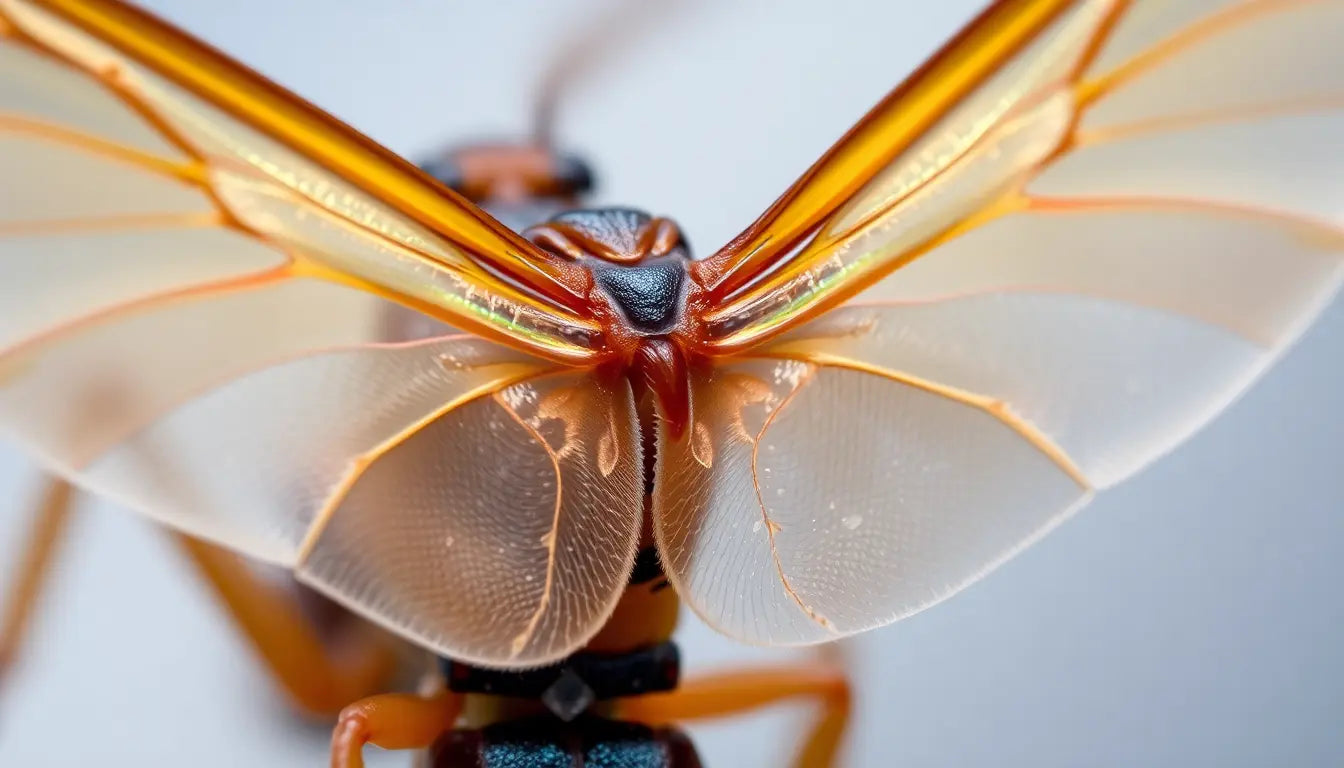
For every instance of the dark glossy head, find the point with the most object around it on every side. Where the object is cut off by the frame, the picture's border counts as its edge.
(632, 268)
(639, 286)
(638, 262)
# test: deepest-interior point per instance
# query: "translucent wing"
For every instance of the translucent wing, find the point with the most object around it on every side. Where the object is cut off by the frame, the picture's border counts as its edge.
(501, 532)
(166, 134)
(1086, 257)
(813, 501)
(202, 277)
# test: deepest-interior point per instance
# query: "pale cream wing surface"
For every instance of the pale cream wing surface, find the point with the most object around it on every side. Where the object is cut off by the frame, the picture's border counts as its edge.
(201, 324)
(812, 501)
(501, 532)
(1068, 296)
(159, 157)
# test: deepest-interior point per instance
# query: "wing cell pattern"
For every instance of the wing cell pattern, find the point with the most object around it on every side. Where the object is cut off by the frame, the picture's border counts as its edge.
(1077, 267)
(68, 88)
(503, 530)
(815, 500)
(1188, 107)
(204, 323)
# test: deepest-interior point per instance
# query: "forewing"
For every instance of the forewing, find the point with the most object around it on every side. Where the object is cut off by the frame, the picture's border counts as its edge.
(1162, 114)
(1042, 295)
(112, 121)
(206, 286)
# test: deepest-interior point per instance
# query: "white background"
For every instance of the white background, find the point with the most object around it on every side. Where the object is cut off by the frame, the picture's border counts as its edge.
(1191, 617)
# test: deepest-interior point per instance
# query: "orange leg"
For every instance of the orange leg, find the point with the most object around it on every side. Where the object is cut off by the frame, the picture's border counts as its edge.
(391, 721)
(320, 674)
(49, 523)
(732, 693)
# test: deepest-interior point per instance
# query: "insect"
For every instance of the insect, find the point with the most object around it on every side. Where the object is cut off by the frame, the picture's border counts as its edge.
(1033, 268)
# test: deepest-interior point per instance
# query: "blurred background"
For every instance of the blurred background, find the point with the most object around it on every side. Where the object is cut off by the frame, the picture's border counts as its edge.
(1191, 617)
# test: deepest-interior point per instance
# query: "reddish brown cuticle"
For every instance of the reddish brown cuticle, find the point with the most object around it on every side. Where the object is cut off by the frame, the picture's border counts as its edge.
(657, 367)
(655, 364)
(508, 173)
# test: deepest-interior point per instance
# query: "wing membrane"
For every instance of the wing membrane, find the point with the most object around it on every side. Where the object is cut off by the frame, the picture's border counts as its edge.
(243, 170)
(817, 501)
(887, 132)
(1234, 61)
(97, 32)
(231, 313)
(1197, 263)
(67, 96)
(502, 531)
(1111, 384)
(250, 462)
(132, 264)
(1185, 102)
(1081, 263)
